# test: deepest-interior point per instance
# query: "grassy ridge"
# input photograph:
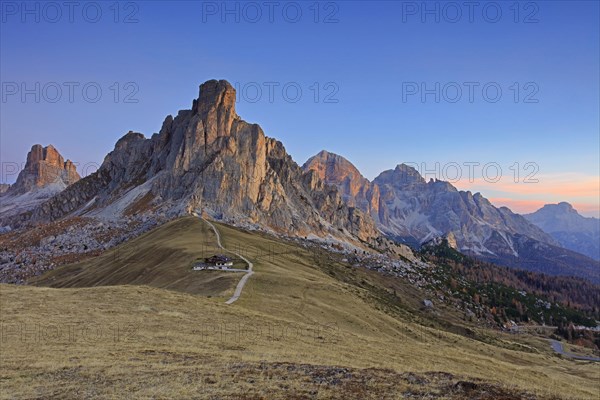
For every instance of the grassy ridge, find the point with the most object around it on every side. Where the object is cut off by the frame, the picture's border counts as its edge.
(161, 258)
(322, 316)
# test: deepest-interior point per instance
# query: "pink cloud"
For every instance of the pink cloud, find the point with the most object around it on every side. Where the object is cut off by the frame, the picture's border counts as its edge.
(582, 191)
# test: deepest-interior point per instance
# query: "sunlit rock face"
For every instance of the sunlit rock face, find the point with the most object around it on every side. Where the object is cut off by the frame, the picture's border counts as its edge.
(355, 189)
(45, 174)
(44, 166)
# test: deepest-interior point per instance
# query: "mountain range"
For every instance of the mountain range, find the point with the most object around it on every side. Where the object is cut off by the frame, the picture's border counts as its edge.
(572, 230)
(407, 208)
(208, 159)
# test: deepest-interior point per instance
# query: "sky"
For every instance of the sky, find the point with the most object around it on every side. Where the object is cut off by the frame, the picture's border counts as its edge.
(500, 98)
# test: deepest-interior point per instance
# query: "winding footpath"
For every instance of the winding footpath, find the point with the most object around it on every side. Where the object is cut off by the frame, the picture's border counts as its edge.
(242, 282)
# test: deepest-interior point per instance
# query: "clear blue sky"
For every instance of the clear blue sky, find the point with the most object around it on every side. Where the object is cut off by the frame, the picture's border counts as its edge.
(368, 52)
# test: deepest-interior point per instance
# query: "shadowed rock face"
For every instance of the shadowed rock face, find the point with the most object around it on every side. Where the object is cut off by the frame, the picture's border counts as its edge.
(44, 166)
(423, 210)
(209, 158)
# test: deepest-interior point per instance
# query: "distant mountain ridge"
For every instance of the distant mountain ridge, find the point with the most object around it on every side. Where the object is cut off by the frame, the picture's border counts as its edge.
(407, 208)
(572, 230)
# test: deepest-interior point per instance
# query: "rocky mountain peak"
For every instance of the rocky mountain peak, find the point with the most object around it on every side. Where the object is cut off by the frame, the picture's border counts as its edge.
(401, 176)
(216, 106)
(406, 169)
(557, 209)
(407, 174)
(128, 138)
(479, 199)
(356, 190)
(572, 230)
(332, 167)
(567, 207)
(45, 166)
(554, 212)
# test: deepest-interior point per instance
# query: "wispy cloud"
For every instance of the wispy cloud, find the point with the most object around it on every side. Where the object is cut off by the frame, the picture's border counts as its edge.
(582, 191)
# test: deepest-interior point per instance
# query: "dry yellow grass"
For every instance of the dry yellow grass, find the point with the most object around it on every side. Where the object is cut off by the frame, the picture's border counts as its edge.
(296, 332)
(160, 258)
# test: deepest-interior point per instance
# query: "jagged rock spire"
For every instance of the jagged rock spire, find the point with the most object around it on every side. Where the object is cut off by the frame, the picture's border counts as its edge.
(44, 167)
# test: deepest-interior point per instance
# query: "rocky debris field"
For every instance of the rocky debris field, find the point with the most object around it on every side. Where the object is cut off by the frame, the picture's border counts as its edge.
(25, 253)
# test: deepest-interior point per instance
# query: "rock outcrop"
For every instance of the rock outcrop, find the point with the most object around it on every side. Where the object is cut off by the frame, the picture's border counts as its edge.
(207, 158)
(447, 240)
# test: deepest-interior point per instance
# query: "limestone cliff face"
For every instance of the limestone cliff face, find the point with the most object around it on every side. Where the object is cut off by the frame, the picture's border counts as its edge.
(209, 158)
(356, 190)
(46, 173)
(45, 166)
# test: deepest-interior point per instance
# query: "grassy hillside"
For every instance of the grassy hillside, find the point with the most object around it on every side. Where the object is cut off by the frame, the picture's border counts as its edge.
(161, 258)
(306, 326)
